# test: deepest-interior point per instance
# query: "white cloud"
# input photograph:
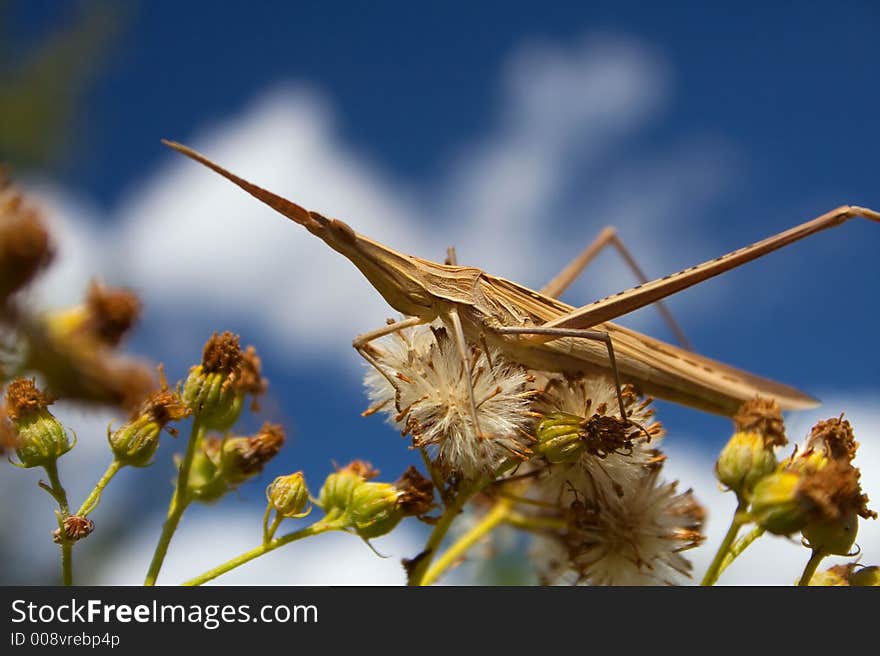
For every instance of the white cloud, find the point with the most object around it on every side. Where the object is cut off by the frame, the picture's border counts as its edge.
(773, 560)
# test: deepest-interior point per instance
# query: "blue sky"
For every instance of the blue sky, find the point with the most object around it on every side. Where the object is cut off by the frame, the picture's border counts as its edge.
(515, 131)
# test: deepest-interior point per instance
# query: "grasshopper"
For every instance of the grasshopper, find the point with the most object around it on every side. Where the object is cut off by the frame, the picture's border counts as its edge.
(541, 332)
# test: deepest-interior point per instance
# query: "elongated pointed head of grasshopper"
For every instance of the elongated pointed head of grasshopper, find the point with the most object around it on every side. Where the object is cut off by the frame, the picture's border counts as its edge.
(410, 285)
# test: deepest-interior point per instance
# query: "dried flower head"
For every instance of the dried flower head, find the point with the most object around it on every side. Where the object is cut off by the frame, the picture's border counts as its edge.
(75, 528)
(242, 458)
(215, 389)
(40, 438)
(633, 539)
(24, 241)
(764, 417)
(101, 322)
(834, 491)
(111, 312)
(163, 406)
(136, 441)
(834, 437)
(24, 399)
(749, 455)
(94, 375)
(431, 401)
(818, 496)
(416, 492)
(251, 380)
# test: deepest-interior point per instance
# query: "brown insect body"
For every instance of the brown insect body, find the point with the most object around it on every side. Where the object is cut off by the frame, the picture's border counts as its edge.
(427, 290)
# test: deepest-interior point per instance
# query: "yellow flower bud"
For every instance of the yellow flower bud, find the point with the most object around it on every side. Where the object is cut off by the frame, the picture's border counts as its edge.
(776, 505)
(289, 496)
(744, 460)
(866, 576)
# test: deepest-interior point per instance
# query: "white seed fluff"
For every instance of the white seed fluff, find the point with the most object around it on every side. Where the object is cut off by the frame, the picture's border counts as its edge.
(630, 539)
(432, 401)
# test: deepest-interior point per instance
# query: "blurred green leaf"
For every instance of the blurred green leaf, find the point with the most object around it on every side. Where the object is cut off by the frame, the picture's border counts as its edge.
(41, 89)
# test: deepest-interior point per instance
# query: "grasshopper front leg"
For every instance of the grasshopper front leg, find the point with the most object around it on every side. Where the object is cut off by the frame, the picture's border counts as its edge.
(361, 344)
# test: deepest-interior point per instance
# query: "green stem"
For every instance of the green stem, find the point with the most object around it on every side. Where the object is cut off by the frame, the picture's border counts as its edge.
(179, 502)
(811, 567)
(453, 508)
(60, 495)
(58, 490)
(266, 515)
(739, 518)
(317, 528)
(94, 497)
(535, 524)
(739, 546)
(485, 526)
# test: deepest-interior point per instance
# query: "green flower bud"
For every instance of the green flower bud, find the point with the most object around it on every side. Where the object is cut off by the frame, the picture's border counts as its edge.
(289, 496)
(375, 509)
(243, 458)
(41, 439)
(833, 536)
(336, 493)
(135, 443)
(776, 505)
(560, 437)
(211, 397)
(215, 390)
(744, 460)
(204, 482)
(866, 576)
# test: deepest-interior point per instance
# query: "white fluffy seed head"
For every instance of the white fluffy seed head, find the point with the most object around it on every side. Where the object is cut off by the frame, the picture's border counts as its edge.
(432, 401)
(596, 395)
(629, 539)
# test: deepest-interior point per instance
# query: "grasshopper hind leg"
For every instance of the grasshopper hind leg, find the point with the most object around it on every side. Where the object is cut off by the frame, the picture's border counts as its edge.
(593, 335)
